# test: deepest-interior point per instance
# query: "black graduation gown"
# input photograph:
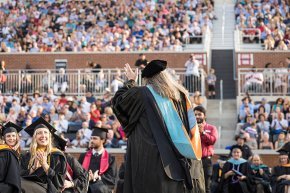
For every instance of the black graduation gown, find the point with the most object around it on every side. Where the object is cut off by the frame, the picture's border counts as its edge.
(279, 186)
(47, 183)
(108, 178)
(216, 178)
(9, 171)
(228, 185)
(80, 176)
(263, 180)
(153, 165)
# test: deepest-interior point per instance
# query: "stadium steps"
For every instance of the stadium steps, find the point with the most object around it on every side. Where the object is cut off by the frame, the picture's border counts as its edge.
(222, 62)
(227, 120)
(223, 27)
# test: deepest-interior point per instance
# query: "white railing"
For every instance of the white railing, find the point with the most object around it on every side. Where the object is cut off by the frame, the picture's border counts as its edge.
(78, 81)
(264, 81)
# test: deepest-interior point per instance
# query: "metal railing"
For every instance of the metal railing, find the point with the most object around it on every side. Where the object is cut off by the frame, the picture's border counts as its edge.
(263, 81)
(79, 81)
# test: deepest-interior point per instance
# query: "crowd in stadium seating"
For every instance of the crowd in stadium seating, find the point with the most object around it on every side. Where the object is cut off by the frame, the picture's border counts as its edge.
(266, 124)
(74, 117)
(265, 21)
(50, 26)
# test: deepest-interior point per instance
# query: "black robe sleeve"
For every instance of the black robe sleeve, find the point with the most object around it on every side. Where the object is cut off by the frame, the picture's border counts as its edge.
(127, 106)
(109, 177)
(56, 172)
(80, 176)
(9, 172)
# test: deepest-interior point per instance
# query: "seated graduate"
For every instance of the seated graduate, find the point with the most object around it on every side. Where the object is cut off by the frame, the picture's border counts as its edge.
(43, 167)
(236, 173)
(260, 174)
(9, 159)
(99, 163)
(77, 179)
(281, 174)
(217, 174)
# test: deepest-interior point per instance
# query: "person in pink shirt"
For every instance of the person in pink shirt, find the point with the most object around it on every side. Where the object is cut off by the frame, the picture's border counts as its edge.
(208, 136)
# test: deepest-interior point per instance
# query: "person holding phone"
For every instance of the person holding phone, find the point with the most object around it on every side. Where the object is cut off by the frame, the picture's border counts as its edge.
(9, 156)
(236, 173)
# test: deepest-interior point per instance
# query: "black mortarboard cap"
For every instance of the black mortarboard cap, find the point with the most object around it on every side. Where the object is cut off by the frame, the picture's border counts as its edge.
(101, 132)
(223, 157)
(283, 152)
(39, 123)
(59, 142)
(285, 147)
(236, 147)
(154, 67)
(10, 127)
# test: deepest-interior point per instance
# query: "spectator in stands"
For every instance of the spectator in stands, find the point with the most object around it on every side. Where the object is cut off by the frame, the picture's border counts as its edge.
(280, 141)
(61, 81)
(279, 103)
(53, 115)
(50, 95)
(21, 117)
(79, 141)
(95, 113)
(263, 126)
(253, 135)
(47, 118)
(46, 104)
(90, 98)
(265, 143)
(281, 79)
(261, 110)
(3, 79)
(78, 116)
(266, 105)
(197, 99)
(278, 126)
(268, 77)
(141, 62)
(85, 132)
(254, 81)
(191, 73)
(260, 175)
(67, 113)
(245, 114)
(61, 125)
(86, 107)
(246, 150)
(117, 82)
(211, 81)
(246, 102)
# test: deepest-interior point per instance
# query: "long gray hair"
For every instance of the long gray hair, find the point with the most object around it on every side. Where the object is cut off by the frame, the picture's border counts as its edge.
(164, 84)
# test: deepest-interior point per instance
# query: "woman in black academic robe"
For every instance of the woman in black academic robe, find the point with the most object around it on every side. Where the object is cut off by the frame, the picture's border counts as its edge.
(9, 161)
(153, 163)
(236, 173)
(281, 174)
(43, 168)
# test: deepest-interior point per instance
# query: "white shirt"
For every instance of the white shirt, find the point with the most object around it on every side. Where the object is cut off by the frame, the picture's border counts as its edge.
(86, 133)
(192, 67)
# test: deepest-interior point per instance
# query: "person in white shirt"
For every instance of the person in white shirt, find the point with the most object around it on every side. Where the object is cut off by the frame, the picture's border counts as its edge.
(86, 132)
(278, 125)
(191, 73)
(254, 81)
(61, 125)
(85, 105)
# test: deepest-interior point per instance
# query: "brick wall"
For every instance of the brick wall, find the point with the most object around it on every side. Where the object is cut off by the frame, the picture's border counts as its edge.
(79, 60)
(270, 160)
(261, 58)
